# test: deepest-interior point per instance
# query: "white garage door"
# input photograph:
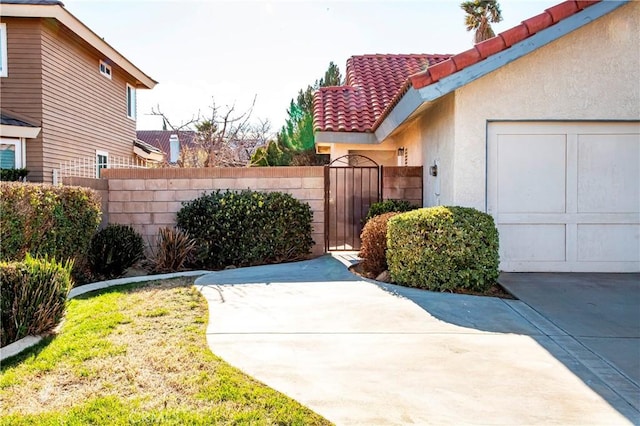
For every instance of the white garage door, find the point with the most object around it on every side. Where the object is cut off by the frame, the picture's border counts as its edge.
(565, 196)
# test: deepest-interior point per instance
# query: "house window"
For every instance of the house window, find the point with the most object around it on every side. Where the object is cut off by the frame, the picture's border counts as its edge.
(105, 70)
(3, 50)
(102, 161)
(11, 154)
(131, 102)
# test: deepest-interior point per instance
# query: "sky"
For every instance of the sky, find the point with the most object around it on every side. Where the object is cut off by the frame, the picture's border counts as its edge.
(230, 52)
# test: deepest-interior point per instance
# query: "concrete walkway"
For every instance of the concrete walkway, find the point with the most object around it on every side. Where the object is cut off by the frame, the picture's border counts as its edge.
(358, 352)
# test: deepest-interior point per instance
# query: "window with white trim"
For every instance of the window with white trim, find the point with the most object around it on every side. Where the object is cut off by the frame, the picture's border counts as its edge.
(11, 154)
(3, 51)
(102, 161)
(131, 102)
(105, 69)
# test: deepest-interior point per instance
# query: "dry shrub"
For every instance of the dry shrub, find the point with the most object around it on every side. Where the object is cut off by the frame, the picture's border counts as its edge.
(374, 244)
(173, 250)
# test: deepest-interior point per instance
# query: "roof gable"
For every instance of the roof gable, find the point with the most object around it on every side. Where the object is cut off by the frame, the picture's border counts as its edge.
(55, 10)
(427, 84)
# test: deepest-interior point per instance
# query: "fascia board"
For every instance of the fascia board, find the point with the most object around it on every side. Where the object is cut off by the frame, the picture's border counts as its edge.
(345, 138)
(19, 131)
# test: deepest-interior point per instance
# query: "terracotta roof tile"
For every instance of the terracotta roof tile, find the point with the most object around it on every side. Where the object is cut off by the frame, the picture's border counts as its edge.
(562, 10)
(514, 35)
(538, 22)
(376, 83)
(372, 82)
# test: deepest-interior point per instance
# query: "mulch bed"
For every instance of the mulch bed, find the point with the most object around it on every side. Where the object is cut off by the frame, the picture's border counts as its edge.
(496, 290)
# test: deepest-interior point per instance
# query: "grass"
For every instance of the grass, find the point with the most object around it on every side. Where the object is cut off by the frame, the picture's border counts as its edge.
(137, 355)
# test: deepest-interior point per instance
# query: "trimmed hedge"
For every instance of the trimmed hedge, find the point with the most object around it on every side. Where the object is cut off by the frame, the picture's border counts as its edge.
(374, 244)
(46, 220)
(33, 296)
(247, 228)
(388, 206)
(114, 249)
(13, 175)
(443, 248)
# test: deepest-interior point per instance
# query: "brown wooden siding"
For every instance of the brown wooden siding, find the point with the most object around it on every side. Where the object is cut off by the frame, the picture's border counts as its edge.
(21, 91)
(83, 111)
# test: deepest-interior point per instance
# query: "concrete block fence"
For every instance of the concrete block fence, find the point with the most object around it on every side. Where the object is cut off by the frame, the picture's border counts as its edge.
(148, 199)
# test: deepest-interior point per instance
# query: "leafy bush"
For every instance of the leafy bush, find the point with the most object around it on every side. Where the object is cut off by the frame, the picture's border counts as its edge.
(13, 175)
(46, 220)
(33, 295)
(247, 228)
(388, 206)
(443, 248)
(114, 249)
(173, 250)
(374, 244)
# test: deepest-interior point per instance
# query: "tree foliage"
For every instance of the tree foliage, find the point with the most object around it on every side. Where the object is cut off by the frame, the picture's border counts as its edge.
(295, 144)
(480, 14)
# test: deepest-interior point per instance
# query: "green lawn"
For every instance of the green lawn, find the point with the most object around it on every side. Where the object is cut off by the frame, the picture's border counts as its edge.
(137, 355)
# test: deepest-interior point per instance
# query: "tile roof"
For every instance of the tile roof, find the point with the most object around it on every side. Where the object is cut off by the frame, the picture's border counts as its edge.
(364, 103)
(372, 82)
(160, 138)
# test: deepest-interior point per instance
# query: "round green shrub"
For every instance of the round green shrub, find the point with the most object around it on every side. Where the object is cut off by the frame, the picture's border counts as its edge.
(33, 294)
(114, 249)
(247, 228)
(443, 248)
(388, 206)
(47, 220)
(373, 251)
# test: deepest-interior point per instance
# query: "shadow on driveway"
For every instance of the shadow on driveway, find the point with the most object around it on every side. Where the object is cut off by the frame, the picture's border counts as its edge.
(339, 344)
(589, 322)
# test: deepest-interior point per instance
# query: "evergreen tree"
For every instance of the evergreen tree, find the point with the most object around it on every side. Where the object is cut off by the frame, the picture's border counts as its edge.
(297, 133)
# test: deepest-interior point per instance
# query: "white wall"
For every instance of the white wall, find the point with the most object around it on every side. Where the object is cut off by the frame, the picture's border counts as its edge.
(592, 73)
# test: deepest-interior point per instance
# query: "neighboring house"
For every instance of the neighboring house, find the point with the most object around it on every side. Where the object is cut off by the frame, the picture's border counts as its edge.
(538, 126)
(72, 94)
(169, 142)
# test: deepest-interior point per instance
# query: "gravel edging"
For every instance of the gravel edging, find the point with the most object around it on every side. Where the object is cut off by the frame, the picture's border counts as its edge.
(18, 346)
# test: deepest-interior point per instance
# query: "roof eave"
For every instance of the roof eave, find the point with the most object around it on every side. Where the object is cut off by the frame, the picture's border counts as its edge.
(345, 138)
(27, 132)
(74, 24)
(414, 98)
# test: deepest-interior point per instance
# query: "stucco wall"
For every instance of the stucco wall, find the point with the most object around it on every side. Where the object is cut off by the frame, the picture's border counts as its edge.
(592, 73)
(430, 139)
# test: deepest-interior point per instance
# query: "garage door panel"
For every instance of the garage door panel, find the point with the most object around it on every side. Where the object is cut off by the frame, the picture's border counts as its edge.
(608, 243)
(565, 195)
(608, 173)
(531, 173)
(546, 242)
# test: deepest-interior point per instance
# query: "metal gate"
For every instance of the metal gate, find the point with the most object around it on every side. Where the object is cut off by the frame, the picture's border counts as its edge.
(351, 184)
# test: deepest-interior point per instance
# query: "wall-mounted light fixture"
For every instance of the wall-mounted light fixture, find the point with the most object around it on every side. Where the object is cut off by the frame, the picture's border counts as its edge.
(402, 156)
(433, 170)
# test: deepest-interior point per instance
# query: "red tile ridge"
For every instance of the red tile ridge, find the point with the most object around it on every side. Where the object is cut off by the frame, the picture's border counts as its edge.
(499, 43)
(486, 48)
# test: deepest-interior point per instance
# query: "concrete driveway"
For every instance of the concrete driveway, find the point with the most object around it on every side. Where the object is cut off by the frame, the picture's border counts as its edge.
(599, 315)
(359, 352)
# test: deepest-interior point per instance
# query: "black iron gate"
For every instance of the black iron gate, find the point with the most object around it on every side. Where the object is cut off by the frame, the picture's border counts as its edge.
(351, 184)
